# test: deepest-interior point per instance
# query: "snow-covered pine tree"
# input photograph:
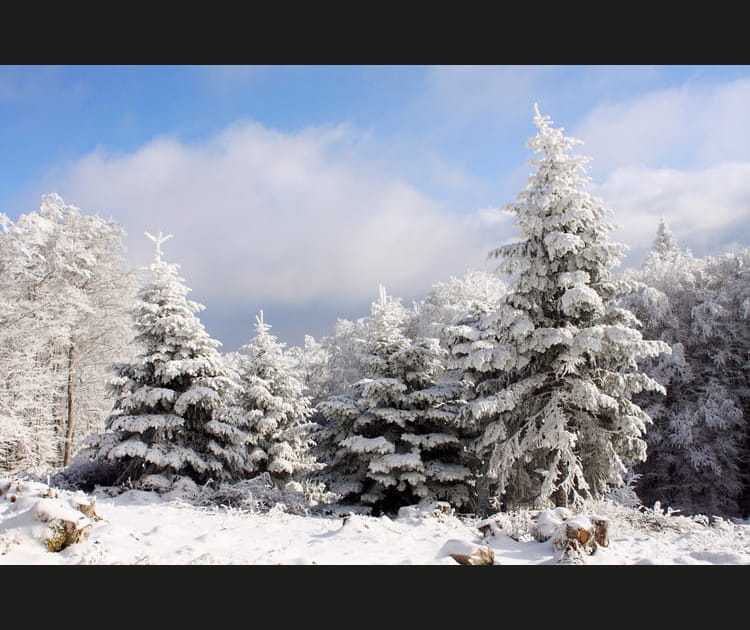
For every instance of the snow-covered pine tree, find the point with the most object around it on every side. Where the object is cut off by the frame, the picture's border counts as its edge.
(343, 353)
(553, 367)
(696, 447)
(665, 244)
(273, 405)
(346, 351)
(391, 438)
(312, 361)
(171, 424)
(470, 295)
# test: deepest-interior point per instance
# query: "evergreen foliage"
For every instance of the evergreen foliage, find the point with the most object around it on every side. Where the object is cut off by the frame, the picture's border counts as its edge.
(171, 422)
(697, 447)
(545, 383)
(468, 296)
(552, 368)
(273, 406)
(391, 440)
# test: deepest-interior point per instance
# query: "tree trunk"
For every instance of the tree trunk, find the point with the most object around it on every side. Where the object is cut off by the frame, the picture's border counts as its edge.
(482, 498)
(560, 498)
(69, 415)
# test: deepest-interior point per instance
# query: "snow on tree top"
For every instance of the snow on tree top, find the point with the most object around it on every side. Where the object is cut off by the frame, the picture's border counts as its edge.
(158, 240)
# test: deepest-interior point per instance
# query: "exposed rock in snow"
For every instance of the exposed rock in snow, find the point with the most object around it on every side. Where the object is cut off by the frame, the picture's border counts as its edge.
(54, 518)
(480, 556)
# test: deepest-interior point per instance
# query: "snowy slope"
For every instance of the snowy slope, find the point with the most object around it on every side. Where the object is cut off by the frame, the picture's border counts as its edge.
(144, 528)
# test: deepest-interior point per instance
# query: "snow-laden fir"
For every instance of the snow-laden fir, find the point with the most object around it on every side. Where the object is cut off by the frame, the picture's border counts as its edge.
(171, 421)
(272, 405)
(553, 367)
(389, 442)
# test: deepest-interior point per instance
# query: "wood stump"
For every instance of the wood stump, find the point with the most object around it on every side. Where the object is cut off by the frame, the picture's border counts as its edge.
(66, 526)
(581, 536)
(442, 509)
(601, 530)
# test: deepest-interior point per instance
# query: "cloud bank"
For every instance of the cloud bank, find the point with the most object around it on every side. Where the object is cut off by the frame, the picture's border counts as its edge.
(694, 126)
(321, 216)
(707, 210)
(263, 215)
(682, 154)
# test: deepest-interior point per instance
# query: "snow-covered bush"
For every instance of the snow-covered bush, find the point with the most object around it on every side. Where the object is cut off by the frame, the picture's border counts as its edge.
(261, 494)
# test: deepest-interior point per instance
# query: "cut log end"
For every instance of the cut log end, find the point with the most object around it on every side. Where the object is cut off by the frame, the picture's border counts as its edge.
(601, 530)
(581, 537)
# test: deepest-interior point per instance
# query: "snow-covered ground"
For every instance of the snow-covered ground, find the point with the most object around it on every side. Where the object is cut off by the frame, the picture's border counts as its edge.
(138, 527)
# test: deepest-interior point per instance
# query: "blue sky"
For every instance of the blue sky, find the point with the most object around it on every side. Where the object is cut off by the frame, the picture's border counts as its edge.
(297, 189)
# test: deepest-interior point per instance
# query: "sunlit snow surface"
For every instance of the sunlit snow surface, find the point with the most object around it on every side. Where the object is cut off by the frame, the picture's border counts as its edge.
(144, 528)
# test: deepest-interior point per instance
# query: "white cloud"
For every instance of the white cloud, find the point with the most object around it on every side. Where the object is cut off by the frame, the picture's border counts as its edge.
(693, 126)
(682, 153)
(327, 213)
(261, 215)
(706, 209)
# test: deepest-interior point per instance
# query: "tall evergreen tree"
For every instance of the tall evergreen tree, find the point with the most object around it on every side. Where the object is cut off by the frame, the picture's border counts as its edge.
(553, 367)
(273, 405)
(170, 420)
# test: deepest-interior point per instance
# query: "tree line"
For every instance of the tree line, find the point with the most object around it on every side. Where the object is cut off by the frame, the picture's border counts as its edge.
(547, 382)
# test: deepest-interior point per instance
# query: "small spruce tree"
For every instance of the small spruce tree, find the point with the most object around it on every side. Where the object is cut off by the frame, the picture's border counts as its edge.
(171, 421)
(392, 437)
(273, 405)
